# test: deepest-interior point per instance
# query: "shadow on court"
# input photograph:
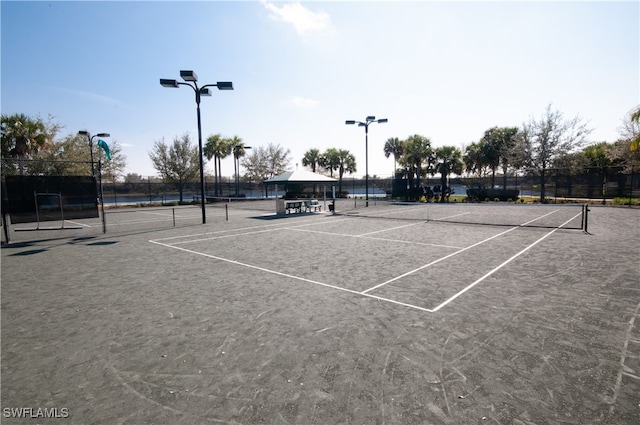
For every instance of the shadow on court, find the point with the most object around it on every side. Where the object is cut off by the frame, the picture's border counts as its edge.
(321, 319)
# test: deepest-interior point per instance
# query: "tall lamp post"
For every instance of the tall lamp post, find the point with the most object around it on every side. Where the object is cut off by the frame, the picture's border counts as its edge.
(93, 174)
(90, 137)
(369, 120)
(192, 81)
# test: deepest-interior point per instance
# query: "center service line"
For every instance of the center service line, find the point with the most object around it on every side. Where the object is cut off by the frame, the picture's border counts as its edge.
(291, 276)
(455, 253)
(502, 265)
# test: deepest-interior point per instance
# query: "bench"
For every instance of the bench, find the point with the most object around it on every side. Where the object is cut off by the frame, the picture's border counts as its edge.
(312, 204)
(292, 207)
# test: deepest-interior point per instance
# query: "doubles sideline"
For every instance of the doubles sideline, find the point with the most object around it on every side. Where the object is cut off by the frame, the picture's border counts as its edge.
(367, 292)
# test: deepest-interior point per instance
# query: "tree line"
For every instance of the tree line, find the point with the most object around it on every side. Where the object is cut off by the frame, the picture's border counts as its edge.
(539, 145)
(32, 146)
(179, 162)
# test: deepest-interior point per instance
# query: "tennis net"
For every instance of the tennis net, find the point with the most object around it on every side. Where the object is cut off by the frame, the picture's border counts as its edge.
(566, 216)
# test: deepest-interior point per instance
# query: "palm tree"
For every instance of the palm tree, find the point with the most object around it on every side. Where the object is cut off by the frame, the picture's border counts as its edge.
(238, 149)
(346, 164)
(217, 148)
(329, 160)
(22, 137)
(311, 159)
(473, 160)
(417, 151)
(393, 146)
(449, 161)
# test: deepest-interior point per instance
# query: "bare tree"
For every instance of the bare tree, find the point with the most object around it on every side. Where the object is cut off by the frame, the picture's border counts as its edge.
(265, 162)
(178, 163)
(543, 140)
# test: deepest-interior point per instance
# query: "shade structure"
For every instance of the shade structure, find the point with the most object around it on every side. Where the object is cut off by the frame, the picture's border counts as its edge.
(300, 176)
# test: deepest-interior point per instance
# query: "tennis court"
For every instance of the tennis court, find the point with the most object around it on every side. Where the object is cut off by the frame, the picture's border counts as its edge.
(395, 314)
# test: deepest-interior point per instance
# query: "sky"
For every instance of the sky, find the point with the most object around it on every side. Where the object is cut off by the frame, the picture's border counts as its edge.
(445, 70)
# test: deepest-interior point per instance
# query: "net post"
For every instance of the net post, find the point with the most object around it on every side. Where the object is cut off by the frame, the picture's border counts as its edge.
(61, 208)
(585, 218)
(226, 211)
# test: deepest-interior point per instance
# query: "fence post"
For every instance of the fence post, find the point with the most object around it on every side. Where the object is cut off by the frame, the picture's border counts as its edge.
(631, 186)
(604, 185)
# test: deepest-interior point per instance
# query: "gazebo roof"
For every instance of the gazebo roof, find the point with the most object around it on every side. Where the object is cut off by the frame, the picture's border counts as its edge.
(299, 176)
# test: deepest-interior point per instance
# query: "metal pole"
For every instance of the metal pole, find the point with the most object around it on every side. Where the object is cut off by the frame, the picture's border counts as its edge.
(35, 198)
(61, 208)
(104, 219)
(204, 217)
(604, 185)
(631, 186)
(366, 163)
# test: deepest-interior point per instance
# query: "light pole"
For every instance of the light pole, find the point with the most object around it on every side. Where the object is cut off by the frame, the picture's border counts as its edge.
(370, 119)
(192, 81)
(93, 174)
(90, 137)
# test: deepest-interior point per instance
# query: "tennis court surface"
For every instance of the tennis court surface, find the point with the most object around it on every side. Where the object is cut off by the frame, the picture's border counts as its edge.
(389, 314)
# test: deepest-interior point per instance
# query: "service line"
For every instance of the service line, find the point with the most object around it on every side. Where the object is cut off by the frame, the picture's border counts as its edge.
(513, 257)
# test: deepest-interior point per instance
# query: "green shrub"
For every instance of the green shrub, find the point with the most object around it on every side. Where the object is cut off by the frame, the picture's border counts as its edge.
(625, 201)
(496, 194)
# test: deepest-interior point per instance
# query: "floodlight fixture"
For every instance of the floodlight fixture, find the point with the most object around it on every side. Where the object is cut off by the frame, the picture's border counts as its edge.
(103, 135)
(224, 85)
(189, 76)
(370, 119)
(168, 83)
(191, 80)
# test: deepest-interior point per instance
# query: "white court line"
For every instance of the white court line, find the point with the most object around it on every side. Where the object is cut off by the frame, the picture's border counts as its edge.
(436, 261)
(375, 239)
(495, 269)
(391, 228)
(160, 214)
(78, 224)
(454, 253)
(262, 269)
(235, 235)
(364, 293)
(281, 226)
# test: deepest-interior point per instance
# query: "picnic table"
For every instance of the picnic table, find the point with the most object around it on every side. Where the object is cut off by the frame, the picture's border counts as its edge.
(291, 206)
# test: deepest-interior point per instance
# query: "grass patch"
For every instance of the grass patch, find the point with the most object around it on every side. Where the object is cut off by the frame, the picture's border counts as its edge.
(625, 201)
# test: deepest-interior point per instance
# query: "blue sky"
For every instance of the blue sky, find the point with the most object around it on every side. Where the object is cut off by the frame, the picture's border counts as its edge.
(444, 70)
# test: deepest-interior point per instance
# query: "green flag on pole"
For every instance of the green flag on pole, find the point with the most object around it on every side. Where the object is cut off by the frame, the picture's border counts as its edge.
(105, 147)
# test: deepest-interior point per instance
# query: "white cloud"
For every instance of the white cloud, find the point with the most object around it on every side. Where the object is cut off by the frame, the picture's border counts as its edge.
(302, 102)
(98, 98)
(304, 20)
